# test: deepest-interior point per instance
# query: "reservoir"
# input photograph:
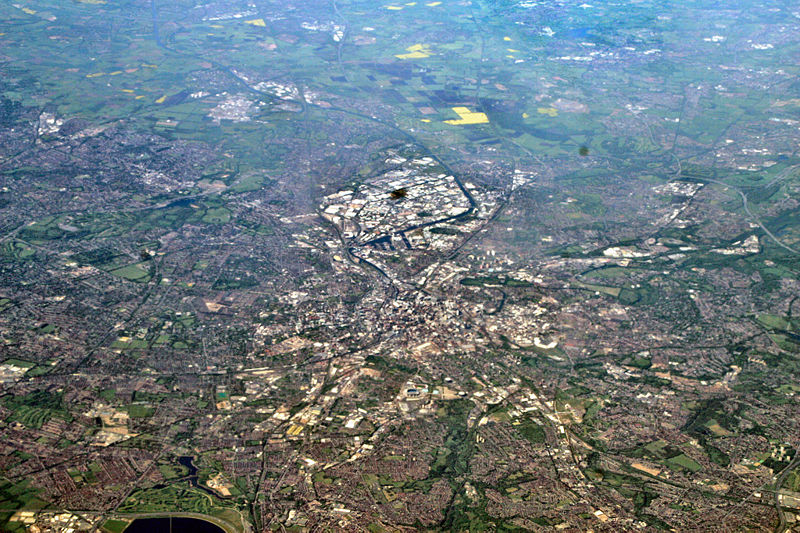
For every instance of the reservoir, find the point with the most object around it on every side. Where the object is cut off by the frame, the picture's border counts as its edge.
(172, 525)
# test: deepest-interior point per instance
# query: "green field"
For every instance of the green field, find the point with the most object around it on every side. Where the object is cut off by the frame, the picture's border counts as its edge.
(115, 526)
(138, 273)
(684, 462)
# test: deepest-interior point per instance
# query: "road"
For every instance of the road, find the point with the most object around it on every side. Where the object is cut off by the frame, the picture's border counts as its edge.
(781, 527)
(745, 205)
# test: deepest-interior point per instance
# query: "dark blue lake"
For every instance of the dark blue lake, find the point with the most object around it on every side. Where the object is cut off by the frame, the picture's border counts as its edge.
(172, 525)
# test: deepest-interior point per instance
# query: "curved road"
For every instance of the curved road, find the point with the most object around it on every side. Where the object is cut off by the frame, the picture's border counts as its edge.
(783, 175)
(781, 527)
